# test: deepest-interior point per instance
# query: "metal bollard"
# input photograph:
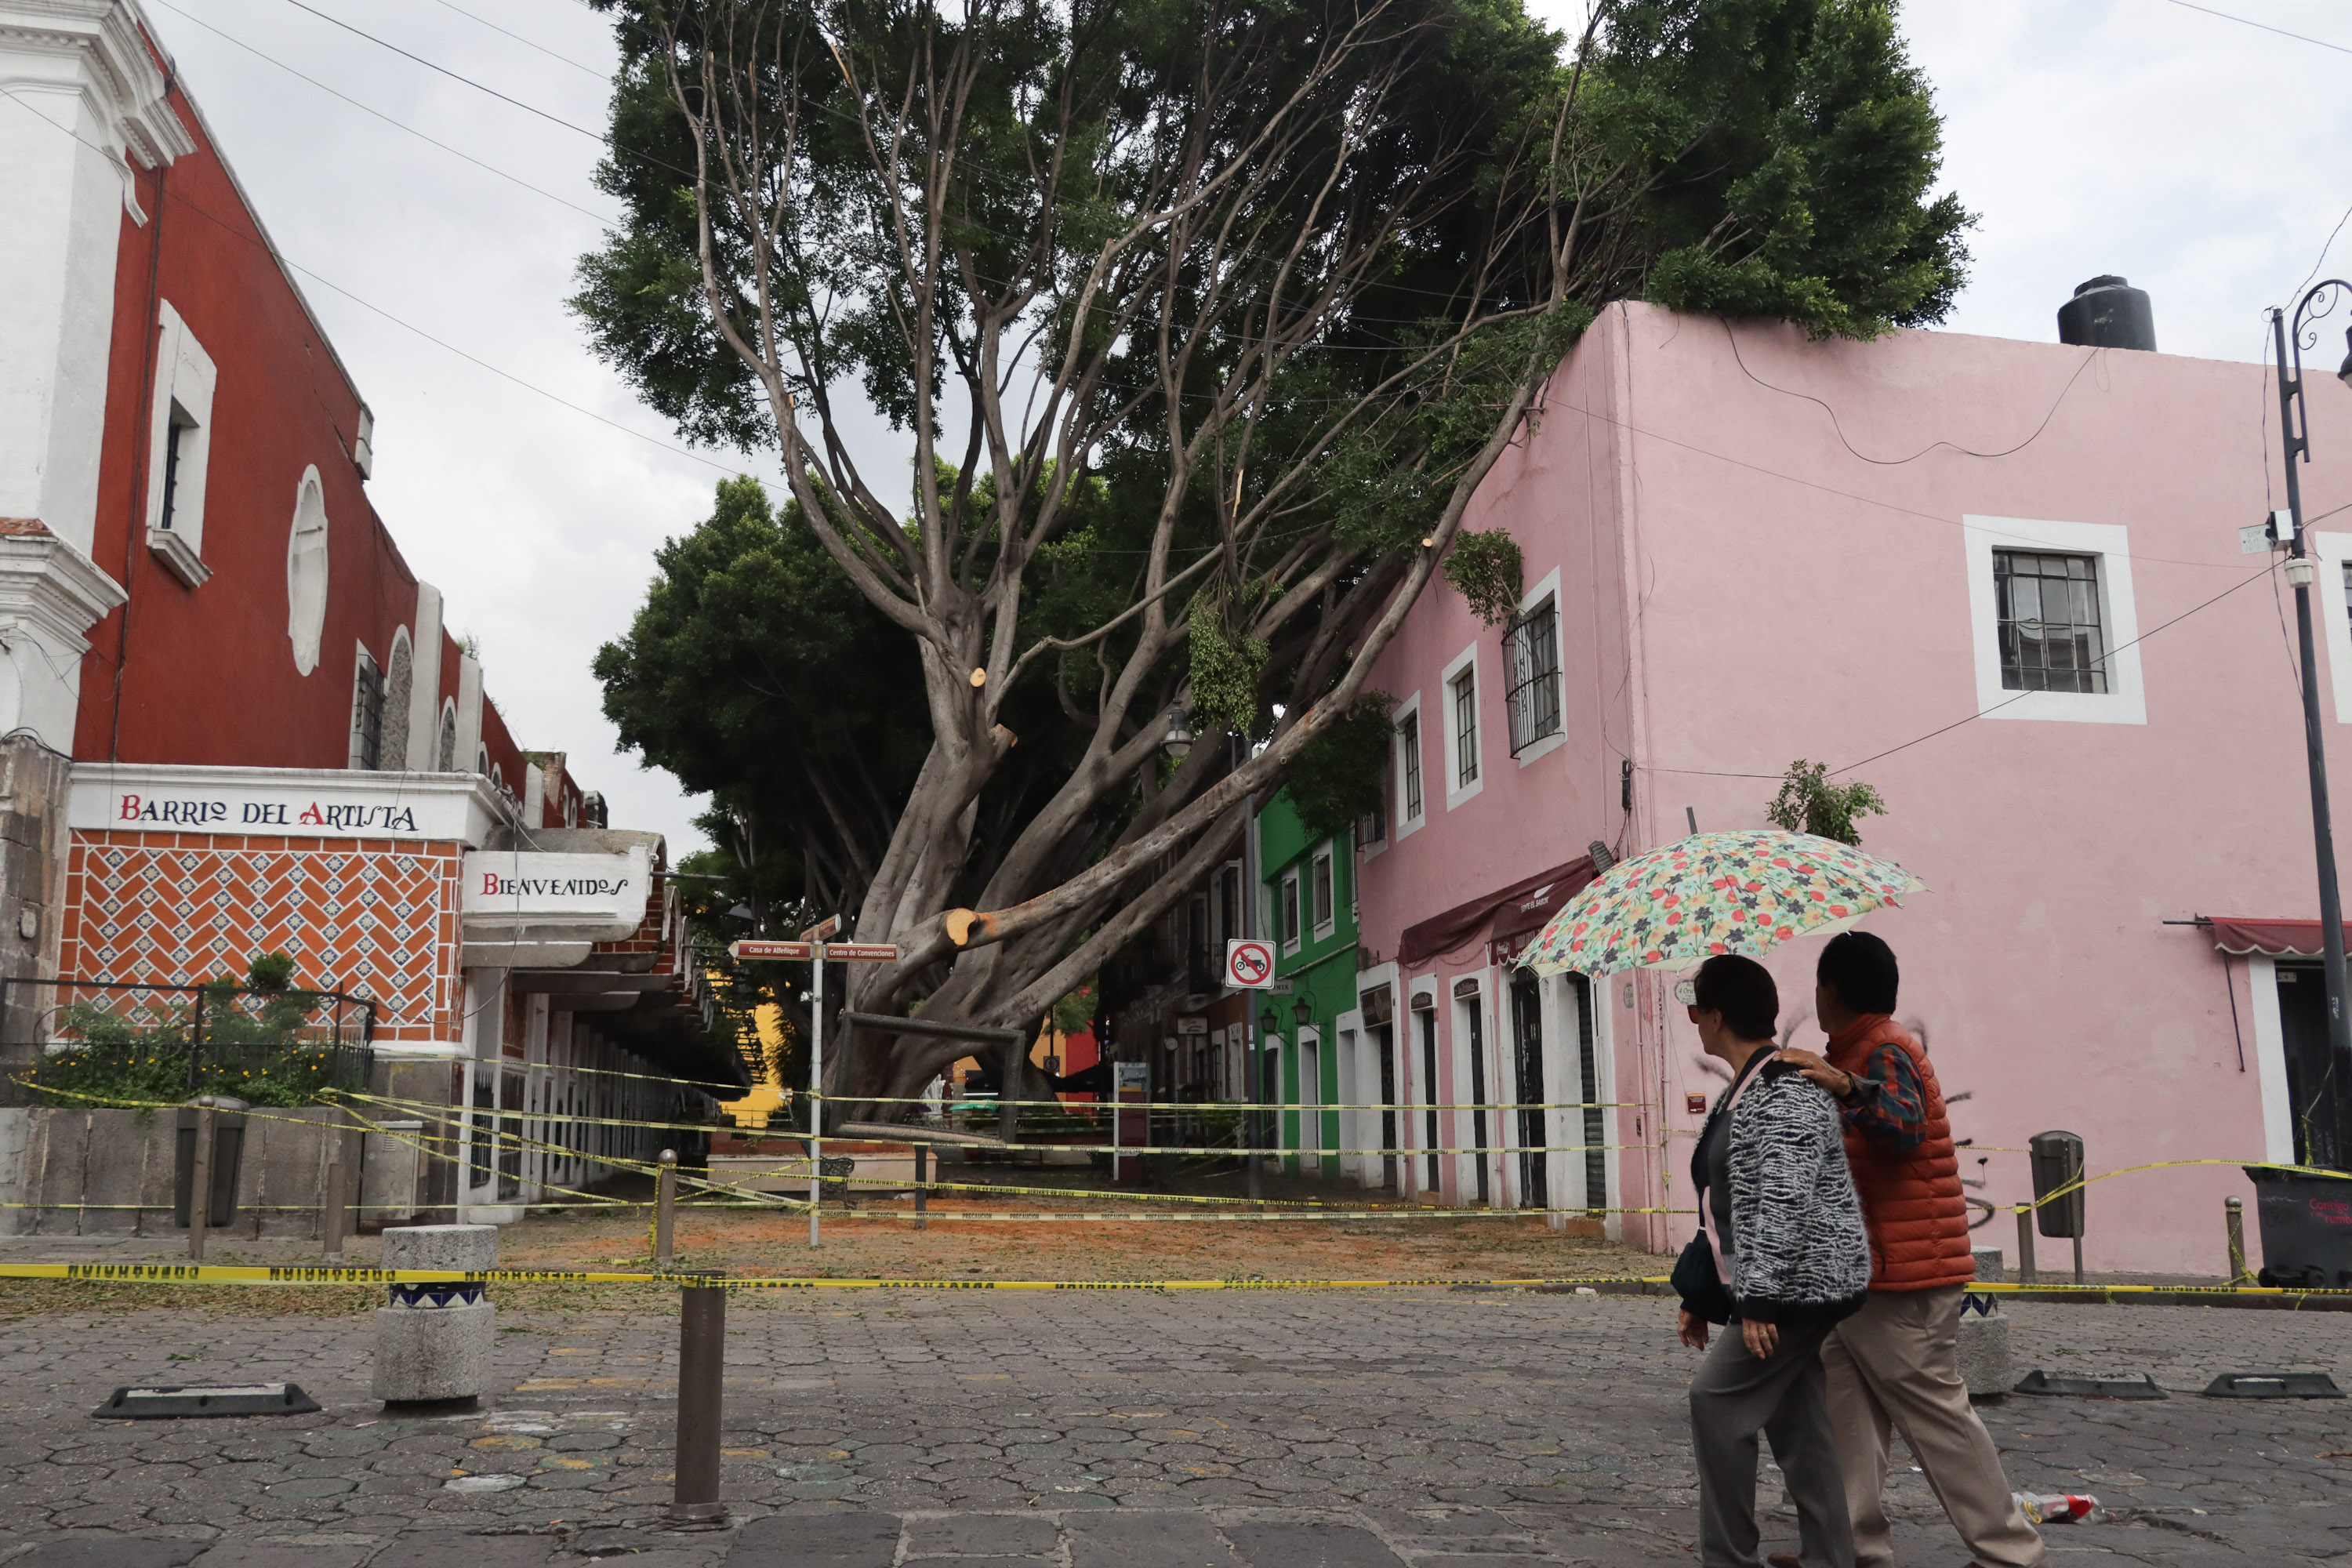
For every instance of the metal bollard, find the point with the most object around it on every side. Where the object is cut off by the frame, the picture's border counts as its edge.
(665, 1207)
(2025, 1244)
(701, 1361)
(338, 1218)
(200, 1190)
(922, 1192)
(2233, 1213)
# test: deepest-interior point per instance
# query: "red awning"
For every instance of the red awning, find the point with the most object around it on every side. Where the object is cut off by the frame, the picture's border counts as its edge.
(1514, 911)
(2276, 939)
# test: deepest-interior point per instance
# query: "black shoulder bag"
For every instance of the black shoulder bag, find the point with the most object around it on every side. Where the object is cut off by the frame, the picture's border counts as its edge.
(1696, 1282)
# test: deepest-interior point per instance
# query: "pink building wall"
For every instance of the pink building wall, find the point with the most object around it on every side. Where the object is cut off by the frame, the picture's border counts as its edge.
(1745, 577)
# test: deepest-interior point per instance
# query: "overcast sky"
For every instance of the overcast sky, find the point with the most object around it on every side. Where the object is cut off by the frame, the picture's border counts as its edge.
(2205, 158)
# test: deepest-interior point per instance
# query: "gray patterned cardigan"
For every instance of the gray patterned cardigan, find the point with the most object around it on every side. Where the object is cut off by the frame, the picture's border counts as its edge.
(1798, 1248)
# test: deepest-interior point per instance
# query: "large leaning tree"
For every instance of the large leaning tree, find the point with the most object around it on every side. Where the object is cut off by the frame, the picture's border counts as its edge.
(1195, 325)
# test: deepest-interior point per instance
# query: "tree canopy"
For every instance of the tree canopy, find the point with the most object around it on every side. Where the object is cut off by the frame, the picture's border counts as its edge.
(1206, 317)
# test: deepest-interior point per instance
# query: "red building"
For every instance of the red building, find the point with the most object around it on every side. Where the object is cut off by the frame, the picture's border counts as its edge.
(234, 720)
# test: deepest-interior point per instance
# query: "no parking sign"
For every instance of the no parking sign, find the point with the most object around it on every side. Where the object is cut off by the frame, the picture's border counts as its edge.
(1249, 962)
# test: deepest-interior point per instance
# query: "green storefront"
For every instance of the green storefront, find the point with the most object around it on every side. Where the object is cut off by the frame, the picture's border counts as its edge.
(1309, 901)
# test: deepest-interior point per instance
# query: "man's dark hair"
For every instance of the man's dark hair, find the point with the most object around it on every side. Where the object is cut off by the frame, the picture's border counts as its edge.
(1860, 969)
(1742, 990)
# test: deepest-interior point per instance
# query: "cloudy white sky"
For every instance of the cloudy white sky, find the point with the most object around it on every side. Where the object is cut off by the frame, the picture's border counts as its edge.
(2205, 158)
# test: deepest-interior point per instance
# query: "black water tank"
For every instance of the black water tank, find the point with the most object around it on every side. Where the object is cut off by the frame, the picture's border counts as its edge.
(2108, 314)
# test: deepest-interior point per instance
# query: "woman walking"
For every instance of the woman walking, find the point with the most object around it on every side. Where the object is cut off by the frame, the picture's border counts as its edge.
(1782, 1232)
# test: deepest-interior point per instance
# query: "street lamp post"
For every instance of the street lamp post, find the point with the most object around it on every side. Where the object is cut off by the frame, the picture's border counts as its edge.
(2295, 432)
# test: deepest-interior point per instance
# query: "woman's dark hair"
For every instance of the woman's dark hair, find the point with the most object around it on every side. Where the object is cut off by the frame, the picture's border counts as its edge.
(1860, 969)
(1742, 990)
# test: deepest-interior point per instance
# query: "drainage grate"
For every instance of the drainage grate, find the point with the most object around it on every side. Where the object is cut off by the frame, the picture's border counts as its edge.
(2273, 1385)
(2140, 1388)
(181, 1401)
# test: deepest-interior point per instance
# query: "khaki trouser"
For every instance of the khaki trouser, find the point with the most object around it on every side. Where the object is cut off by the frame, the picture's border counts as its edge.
(1892, 1365)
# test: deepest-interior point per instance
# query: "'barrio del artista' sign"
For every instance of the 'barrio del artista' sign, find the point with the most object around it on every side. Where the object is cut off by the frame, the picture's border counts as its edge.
(283, 803)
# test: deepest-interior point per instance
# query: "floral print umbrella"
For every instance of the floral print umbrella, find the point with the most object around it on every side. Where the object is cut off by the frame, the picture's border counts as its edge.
(1682, 903)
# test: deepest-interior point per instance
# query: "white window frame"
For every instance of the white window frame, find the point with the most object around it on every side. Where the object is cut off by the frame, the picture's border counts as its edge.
(1325, 864)
(2126, 700)
(1289, 928)
(2329, 551)
(2270, 1056)
(307, 569)
(184, 381)
(1456, 792)
(1548, 589)
(1402, 827)
(362, 660)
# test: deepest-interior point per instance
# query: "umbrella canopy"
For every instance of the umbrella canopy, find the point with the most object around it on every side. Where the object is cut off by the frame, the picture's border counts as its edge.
(1682, 903)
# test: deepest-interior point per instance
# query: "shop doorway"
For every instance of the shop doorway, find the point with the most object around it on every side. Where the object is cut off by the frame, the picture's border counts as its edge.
(2303, 1032)
(1527, 1046)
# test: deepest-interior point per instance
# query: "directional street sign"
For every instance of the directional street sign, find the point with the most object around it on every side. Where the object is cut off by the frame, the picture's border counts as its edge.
(1249, 962)
(748, 948)
(837, 951)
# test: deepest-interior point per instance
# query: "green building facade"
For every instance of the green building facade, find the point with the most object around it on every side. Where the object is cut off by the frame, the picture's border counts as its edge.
(1307, 899)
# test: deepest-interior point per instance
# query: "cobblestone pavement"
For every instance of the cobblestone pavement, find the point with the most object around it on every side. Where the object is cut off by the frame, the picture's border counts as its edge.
(1409, 1430)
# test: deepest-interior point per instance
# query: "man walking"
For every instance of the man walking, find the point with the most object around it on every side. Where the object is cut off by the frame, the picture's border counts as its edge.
(1892, 1363)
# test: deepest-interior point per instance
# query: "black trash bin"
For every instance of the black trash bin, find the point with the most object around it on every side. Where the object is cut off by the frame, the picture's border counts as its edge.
(2057, 1160)
(229, 1149)
(2307, 1228)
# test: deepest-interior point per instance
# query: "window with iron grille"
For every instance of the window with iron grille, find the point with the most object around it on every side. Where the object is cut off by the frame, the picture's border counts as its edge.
(1465, 729)
(367, 714)
(1409, 737)
(2051, 637)
(1318, 882)
(1532, 644)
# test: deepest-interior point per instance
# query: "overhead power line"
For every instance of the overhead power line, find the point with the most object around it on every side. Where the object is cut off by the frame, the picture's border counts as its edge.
(602, 220)
(2265, 26)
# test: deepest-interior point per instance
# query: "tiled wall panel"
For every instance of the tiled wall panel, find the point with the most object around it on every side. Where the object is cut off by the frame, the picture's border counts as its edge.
(373, 918)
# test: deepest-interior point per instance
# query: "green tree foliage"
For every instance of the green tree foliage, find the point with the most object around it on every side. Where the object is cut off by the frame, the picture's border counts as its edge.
(1486, 569)
(1206, 314)
(1808, 803)
(1342, 774)
(757, 672)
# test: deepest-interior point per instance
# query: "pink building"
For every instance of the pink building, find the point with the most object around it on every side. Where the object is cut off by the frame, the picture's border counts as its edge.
(1742, 549)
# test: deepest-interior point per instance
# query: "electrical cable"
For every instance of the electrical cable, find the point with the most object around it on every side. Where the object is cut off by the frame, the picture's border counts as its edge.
(2245, 582)
(323, 282)
(2265, 26)
(526, 43)
(1839, 428)
(602, 221)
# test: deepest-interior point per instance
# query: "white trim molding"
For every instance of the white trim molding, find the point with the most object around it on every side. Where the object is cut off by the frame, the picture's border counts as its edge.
(2124, 701)
(2270, 1059)
(1456, 792)
(50, 596)
(1402, 826)
(1535, 750)
(179, 447)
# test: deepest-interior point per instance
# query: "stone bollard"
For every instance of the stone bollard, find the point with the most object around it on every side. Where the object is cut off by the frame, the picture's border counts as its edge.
(1983, 1347)
(1987, 1261)
(434, 1341)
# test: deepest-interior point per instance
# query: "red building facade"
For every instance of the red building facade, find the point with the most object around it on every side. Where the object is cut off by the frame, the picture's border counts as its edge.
(235, 721)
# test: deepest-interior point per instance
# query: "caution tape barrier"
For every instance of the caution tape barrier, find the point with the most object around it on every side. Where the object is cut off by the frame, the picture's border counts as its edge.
(235, 1273)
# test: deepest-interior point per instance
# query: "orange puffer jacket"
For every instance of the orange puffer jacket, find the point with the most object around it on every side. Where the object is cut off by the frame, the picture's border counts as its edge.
(1912, 1203)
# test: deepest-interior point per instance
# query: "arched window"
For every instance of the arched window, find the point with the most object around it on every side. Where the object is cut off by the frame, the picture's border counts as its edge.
(306, 571)
(399, 681)
(445, 752)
